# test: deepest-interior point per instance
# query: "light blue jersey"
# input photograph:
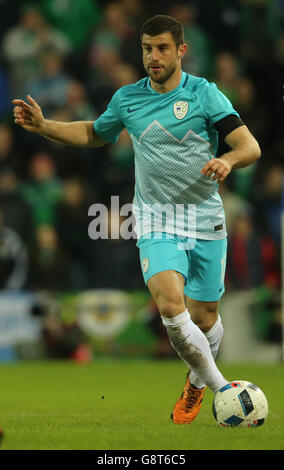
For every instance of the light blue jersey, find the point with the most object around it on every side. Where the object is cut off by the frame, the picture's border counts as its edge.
(173, 136)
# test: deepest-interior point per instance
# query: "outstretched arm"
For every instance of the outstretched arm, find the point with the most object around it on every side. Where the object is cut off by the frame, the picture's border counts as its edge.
(245, 150)
(75, 134)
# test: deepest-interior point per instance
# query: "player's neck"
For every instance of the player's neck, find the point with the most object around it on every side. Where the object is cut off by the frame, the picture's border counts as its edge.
(172, 83)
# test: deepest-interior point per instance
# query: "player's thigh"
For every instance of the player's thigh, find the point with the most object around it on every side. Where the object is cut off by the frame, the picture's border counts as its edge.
(164, 267)
(167, 288)
(207, 264)
(161, 252)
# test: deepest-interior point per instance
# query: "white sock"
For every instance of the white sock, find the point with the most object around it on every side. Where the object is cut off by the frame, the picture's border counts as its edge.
(214, 336)
(193, 348)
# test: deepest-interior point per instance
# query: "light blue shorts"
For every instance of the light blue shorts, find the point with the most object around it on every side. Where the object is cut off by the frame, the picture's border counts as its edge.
(201, 262)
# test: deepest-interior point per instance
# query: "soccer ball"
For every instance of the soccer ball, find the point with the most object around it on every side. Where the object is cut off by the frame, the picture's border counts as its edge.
(240, 403)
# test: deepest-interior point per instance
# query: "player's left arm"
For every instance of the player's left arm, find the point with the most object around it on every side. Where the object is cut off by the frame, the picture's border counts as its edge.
(245, 151)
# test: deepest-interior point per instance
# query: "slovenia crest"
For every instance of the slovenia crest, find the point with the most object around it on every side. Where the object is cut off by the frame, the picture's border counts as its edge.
(145, 264)
(180, 109)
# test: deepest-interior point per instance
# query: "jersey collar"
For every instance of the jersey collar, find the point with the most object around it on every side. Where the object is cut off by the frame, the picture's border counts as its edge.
(183, 80)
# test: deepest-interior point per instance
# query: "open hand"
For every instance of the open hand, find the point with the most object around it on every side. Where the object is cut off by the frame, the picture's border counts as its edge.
(28, 116)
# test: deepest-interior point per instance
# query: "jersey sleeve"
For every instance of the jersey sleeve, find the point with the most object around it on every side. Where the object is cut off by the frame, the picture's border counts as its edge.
(109, 125)
(216, 105)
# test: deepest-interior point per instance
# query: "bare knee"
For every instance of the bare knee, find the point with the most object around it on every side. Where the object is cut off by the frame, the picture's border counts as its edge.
(207, 321)
(169, 308)
(204, 314)
(167, 291)
(170, 304)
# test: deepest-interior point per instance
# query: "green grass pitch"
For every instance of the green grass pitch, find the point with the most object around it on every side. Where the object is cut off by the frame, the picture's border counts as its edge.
(124, 404)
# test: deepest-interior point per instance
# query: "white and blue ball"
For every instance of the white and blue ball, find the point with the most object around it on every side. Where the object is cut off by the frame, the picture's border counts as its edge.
(240, 403)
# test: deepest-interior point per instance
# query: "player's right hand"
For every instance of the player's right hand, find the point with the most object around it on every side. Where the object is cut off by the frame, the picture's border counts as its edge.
(28, 116)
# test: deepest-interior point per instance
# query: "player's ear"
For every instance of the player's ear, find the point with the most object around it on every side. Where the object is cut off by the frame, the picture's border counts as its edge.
(182, 49)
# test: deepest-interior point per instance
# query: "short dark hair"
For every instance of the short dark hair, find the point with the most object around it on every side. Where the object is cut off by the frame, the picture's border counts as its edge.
(164, 24)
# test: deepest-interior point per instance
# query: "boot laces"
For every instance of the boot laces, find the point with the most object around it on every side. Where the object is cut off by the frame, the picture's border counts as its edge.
(191, 398)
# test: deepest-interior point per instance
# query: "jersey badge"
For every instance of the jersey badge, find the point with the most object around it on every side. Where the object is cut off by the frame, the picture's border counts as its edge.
(180, 109)
(145, 264)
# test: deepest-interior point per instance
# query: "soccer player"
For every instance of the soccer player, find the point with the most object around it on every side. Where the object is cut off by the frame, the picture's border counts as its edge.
(174, 120)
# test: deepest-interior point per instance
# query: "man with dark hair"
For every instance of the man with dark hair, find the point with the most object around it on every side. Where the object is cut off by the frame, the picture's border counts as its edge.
(162, 23)
(173, 119)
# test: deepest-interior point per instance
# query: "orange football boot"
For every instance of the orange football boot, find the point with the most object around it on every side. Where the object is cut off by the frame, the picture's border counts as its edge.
(188, 405)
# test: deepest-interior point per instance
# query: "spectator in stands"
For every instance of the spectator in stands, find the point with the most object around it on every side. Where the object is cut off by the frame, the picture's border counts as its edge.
(10, 13)
(226, 75)
(49, 265)
(123, 74)
(77, 162)
(75, 19)
(5, 95)
(198, 61)
(115, 26)
(24, 43)
(51, 84)
(15, 210)
(79, 106)
(119, 174)
(60, 339)
(233, 204)
(101, 61)
(13, 258)
(252, 257)
(43, 190)
(259, 30)
(273, 96)
(117, 255)
(252, 112)
(105, 52)
(10, 156)
(137, 12)
(268, 201)
(72, 227)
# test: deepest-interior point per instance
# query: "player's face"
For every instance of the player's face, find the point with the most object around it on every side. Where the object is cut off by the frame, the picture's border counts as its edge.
(161, 57)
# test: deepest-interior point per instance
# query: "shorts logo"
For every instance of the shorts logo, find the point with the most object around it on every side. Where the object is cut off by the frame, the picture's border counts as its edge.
(180, 109)
(145, 264)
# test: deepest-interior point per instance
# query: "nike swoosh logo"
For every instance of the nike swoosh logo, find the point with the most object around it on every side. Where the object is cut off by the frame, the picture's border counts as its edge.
(131, 110)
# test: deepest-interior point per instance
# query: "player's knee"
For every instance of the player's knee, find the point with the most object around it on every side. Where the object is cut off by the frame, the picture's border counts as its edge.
(171, 306)
(206, 318)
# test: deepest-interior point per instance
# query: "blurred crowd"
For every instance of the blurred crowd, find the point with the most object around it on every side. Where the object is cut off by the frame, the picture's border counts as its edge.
(71, 56)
